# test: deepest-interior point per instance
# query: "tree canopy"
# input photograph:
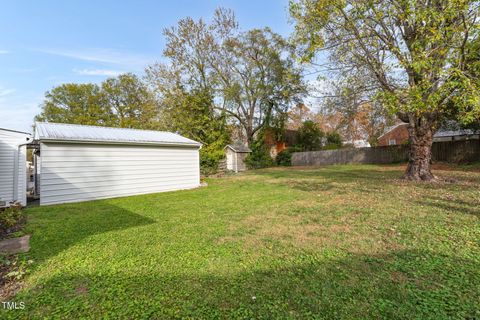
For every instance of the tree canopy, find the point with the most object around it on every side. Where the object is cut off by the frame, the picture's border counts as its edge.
(124, 102)
(414, 52)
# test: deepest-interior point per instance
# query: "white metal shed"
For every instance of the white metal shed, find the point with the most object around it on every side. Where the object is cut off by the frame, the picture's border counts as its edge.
(80, 163)
(13, 166)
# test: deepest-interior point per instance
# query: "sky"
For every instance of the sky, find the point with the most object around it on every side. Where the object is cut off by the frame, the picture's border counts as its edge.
(46, 43)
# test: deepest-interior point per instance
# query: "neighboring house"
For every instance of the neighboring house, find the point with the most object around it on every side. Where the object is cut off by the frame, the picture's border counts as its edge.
(12, 167)
(398, 134)
(236, 154)
(455, 135)
(358, 143)
(80, 163)
(394, 135)
(276, 145)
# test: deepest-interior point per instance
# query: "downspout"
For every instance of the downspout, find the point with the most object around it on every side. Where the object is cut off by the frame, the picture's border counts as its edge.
(15, 169)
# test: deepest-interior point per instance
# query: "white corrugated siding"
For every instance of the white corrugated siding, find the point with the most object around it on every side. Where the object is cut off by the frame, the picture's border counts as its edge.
(9, 142)
(73, 172)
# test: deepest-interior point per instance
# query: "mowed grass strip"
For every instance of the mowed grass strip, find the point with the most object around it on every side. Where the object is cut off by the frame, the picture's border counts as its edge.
(337, 242)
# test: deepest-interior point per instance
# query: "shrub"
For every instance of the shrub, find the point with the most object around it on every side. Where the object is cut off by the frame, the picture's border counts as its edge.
(260, 155)
(310, 136)
(334, 141)
(330, 147)
(259, 159)
(9, 218)
(284, 158)
(210, 157)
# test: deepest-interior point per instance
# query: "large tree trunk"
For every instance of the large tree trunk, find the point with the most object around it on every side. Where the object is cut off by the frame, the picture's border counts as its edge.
(421, 130)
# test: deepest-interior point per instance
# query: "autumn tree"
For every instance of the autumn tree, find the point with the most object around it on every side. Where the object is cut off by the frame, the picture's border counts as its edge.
(414, 51)
(361, 117)
(298, 115)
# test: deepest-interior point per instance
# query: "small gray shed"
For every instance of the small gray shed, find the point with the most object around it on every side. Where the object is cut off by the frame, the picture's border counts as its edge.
(236, 154)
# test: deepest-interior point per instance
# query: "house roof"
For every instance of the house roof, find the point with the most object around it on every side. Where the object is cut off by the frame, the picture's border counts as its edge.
(391, 128)
(439, 134)
(16, 131)
(82, 133)
(237, 147)
(452, 133)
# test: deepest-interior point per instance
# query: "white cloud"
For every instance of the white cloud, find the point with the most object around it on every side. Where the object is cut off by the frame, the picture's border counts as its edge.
(5, 92)
(102, 55)
(97, 72)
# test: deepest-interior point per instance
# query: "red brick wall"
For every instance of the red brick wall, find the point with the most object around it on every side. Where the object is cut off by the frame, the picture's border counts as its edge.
(400, 134)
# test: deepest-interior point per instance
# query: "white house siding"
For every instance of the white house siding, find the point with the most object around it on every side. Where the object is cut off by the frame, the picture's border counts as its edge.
(9, 143)
(73, 172)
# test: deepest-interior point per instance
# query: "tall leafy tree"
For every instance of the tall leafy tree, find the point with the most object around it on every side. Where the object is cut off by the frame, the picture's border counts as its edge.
(75, 103)
(257, 78)
(192, 115)
(130, 102)
(414, 51)
(124, 102)
(251, 75)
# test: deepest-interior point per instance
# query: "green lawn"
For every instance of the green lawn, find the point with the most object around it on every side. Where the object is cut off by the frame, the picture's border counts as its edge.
(339, 242)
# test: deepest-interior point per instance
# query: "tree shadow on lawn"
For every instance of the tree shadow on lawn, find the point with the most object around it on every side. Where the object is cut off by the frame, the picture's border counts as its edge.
(56, 228)
(400, 285)
(337, 172)
(364, 178)
(457, 206)
(332, 178)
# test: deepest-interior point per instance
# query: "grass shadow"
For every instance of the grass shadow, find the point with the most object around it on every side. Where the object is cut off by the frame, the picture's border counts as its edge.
(56, 228)
(335, 172)
(399, 285)
(456, 206)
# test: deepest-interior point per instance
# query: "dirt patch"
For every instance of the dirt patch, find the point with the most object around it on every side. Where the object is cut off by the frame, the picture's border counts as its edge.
(81, 290)
(11, 271)
(309, 230)
(399, 277)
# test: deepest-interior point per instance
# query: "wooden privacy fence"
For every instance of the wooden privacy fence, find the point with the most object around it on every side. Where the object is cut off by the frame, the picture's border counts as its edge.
(448, 151)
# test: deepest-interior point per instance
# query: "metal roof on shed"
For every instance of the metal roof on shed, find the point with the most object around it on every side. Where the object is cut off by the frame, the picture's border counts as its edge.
(238, 147)
(82, 133)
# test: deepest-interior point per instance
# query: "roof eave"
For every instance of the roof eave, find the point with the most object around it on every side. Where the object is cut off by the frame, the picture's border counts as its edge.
(236, 150)
(151, 143)
(16, 131)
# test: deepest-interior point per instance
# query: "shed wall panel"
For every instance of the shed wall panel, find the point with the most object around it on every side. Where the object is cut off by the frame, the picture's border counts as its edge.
(74, 172)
